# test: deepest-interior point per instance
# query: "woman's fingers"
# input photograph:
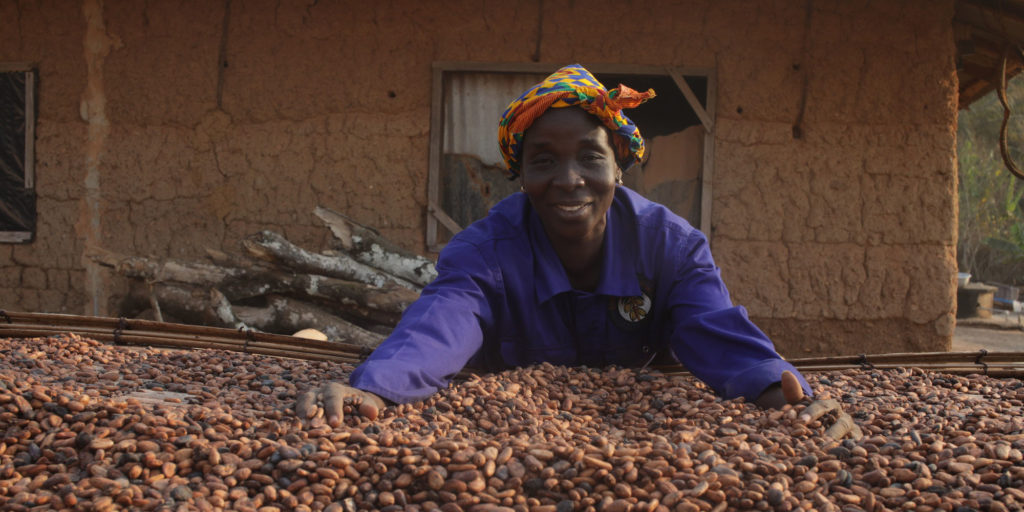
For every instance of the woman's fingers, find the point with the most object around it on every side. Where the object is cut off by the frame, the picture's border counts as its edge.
(305, 405)
(371, 406)
(334, 395)
(368, 409)
(791, 388)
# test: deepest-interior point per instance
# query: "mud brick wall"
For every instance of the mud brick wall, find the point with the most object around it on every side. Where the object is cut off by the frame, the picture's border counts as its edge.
(168, 127)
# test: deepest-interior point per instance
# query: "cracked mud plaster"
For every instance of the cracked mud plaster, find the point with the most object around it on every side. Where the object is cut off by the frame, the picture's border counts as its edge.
(842, 241)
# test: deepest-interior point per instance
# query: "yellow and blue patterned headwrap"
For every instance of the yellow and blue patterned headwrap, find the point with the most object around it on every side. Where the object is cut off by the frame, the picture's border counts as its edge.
(573, 86)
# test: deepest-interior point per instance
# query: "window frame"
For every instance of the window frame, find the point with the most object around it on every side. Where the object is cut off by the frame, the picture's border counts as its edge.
(436, 216)
(31, 79)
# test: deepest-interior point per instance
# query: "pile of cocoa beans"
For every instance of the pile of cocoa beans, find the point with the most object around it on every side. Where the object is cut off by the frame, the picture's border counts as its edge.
(81, 430)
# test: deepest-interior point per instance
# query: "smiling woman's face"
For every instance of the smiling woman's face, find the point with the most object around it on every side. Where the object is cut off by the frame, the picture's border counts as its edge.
(569, 172)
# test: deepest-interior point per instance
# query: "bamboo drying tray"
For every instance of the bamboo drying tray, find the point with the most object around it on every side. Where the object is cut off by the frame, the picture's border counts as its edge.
(123, 331)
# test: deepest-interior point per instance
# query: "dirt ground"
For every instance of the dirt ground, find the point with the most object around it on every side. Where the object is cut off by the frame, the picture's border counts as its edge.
(1004, 333)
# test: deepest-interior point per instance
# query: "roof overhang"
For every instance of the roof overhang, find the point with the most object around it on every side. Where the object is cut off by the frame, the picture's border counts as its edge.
(985, 31)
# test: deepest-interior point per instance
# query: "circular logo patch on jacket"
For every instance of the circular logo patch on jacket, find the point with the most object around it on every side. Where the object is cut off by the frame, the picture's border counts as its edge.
(634, 309)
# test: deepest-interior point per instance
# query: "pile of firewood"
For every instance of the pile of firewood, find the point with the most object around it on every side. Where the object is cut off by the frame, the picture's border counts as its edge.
(355, 293)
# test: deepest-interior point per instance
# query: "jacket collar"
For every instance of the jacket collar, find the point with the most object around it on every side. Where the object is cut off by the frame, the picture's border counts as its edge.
(618, 269)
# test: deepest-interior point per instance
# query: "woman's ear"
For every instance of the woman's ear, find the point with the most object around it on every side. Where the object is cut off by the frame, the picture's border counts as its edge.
(625, 165)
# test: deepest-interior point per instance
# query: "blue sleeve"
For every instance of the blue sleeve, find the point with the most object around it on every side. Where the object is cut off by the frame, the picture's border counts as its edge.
(712, 338)
(438, 333)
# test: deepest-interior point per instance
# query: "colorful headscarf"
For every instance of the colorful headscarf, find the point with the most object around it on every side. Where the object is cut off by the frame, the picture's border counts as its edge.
(571, 86)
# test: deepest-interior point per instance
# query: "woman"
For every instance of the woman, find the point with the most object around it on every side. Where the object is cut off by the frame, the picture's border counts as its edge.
(575, 270)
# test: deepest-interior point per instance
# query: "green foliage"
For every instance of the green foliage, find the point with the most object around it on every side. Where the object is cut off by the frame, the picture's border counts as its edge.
(991, 240)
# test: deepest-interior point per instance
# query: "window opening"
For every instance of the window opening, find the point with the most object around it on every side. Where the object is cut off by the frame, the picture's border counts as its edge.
(466, 170)
(17, 141)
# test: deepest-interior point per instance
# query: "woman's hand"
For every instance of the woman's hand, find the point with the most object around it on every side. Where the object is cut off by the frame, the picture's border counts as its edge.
(332, 397)
(788, 391)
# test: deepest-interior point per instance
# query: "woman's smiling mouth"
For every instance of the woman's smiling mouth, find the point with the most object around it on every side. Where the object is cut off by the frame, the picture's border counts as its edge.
(571, 209)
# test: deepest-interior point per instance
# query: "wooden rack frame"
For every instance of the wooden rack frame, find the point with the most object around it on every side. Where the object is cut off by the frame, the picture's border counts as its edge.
(149, 333)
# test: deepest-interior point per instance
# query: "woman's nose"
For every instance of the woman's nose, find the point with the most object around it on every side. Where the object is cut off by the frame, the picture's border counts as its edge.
(569, 176)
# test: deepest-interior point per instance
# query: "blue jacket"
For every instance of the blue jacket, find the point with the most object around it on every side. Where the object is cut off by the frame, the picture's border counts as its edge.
(503, 299)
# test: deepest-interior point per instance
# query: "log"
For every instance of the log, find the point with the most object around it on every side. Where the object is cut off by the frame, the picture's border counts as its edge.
(155, 304)
(379, 304)
(196, 305)
(235, 283)
(222, 310)
(289, 315)
(275, 248)
(369, 247)
(223, 259)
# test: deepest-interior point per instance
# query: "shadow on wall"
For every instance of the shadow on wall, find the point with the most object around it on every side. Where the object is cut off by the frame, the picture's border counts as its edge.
(671, 175)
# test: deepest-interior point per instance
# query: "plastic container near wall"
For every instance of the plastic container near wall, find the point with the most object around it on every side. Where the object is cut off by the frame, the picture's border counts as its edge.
(962, 279)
